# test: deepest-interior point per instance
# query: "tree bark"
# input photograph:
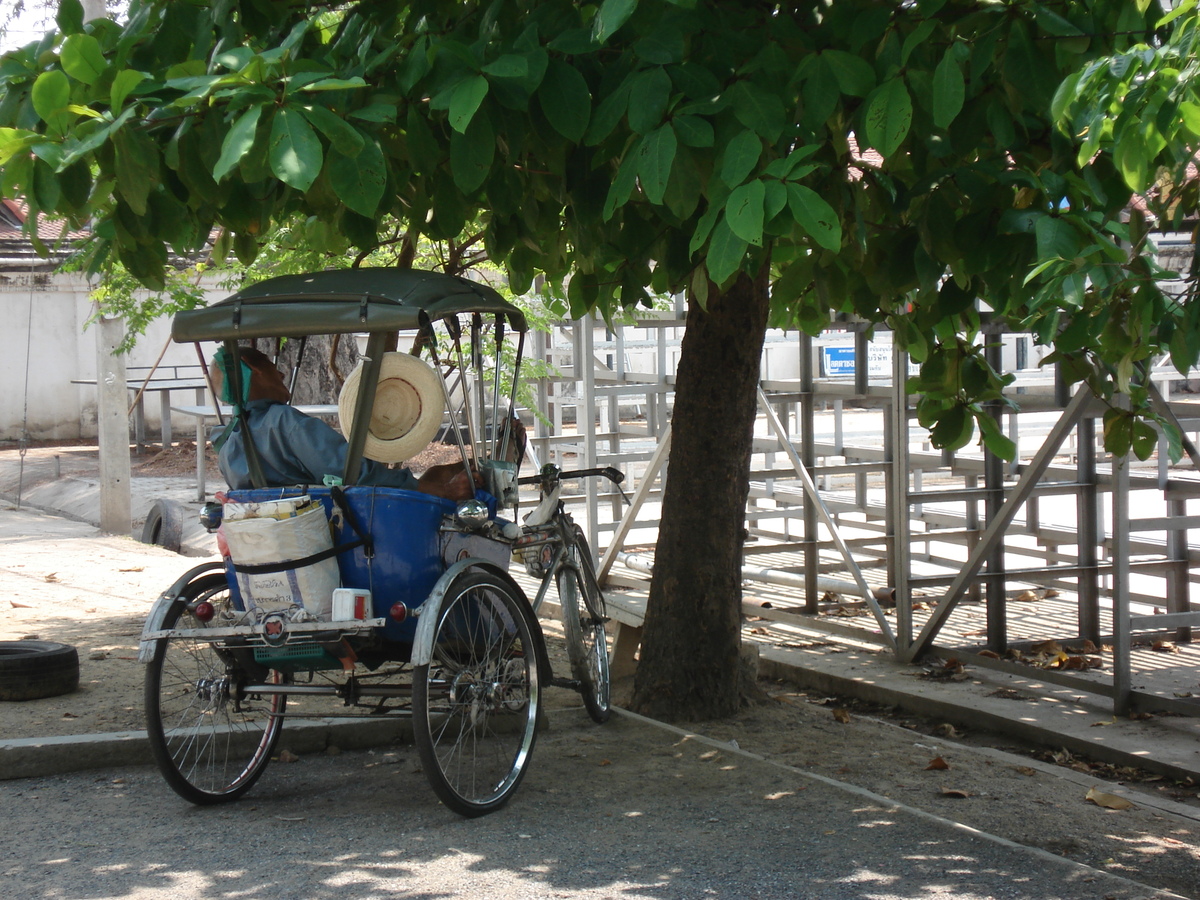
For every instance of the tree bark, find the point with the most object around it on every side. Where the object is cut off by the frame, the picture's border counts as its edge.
(689, 658)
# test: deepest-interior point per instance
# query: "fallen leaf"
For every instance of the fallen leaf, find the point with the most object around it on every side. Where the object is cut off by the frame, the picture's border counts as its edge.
(1025, 770)
(956, 793)
(937, 764)
(1106, 800)
(1140, 716)
(947, 730)
(1049, 592)
(1113, 721)
(1050, 648)
(1164, 647)
(52, 577)
(69, 715)
(1027, 597)
(287, 756)
(842, 716)
(990, 654)
(16, 605)
(133, 569)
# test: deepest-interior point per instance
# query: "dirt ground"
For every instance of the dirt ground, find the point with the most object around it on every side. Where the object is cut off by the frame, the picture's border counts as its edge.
(94, 592)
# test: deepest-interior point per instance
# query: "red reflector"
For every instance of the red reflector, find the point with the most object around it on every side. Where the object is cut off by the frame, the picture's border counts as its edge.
(399, 612)
(204, 611)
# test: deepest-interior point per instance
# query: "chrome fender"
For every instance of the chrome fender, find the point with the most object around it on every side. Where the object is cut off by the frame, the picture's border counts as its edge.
(158, 612)
(430, 611)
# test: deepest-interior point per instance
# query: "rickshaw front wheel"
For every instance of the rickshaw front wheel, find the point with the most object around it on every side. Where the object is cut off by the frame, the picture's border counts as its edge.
(210, 742)
(475, 705)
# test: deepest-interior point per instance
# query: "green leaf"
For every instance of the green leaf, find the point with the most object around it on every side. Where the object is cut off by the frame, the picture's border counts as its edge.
(741, 157)
(623, 184)
(815, 216)
(510, 65)
(1056, 239)
(471, 154)
(333, 84)
(1132, 158)
(995, 440)
(82, 58)
(1053, 23)
(1180, 9)
(758, 109)
(124, 82)
(953, 430)
(237, 142)
(376, 112)
(649, 92)
(855, 76)
(1118, 432)
(725, 252)
(464, 101)
(608, 113)
(693, 131)
(565, 100)
(423, 147)
(50, 95)
(613, 14)
(295, 150)
(918, 36)
(69, 17)
(889, 116)
(655, 158)
(343, 136)
(136, 166)
(1189, 112)
(948, 90)
(359, 179)
(744, 211)
(1144, 439)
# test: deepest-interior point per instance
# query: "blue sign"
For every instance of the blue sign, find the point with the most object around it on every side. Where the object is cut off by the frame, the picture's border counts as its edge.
(837, 361)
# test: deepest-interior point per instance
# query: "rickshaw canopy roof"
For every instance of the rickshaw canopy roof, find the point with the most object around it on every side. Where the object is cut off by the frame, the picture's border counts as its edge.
(342, 301)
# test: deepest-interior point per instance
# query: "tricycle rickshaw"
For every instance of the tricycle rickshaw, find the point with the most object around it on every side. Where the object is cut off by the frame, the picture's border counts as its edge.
(425, 621)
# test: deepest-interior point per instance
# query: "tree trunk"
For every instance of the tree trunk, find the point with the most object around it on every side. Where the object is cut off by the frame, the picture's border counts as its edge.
(689, 657)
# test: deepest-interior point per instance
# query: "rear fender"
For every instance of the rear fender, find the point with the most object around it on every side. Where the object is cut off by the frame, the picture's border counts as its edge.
(422, 653)
(158, 612)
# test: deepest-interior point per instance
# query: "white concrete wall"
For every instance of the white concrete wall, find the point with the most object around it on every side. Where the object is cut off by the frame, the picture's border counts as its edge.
(44, 346)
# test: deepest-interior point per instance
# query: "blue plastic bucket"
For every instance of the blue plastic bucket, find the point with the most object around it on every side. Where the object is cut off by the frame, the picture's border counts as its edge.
(407, 561)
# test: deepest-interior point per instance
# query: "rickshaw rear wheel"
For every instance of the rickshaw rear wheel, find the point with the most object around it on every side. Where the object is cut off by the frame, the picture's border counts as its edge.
(476, 704)
(210, 742)
(583, 618)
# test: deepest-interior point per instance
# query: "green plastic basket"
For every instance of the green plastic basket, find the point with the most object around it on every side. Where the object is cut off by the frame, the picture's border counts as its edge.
(296, 656)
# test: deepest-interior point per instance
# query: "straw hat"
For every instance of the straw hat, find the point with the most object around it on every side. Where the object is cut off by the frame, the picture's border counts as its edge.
(407, 410)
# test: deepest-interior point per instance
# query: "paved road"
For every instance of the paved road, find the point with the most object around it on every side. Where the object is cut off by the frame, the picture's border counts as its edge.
(630, 810)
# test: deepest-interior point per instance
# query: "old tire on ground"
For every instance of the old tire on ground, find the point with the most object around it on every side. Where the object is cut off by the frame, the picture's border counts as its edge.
(164, 525)
(30, 670)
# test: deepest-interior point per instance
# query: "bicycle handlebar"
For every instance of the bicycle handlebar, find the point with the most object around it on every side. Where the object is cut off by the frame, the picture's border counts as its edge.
(616, 476)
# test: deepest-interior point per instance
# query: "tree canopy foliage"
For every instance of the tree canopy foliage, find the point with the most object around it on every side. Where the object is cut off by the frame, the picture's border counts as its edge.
(912, 163)
(866, 149)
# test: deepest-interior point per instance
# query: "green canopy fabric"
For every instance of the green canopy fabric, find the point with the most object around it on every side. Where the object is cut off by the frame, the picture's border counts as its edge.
(342, 301)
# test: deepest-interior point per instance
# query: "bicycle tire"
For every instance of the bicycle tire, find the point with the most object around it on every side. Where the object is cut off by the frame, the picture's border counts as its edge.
(210, 745)
(583, 616)
(476, 704)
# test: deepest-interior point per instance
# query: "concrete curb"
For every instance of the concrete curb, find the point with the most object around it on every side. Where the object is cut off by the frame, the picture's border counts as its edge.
(1166, 756)
(40, 757)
